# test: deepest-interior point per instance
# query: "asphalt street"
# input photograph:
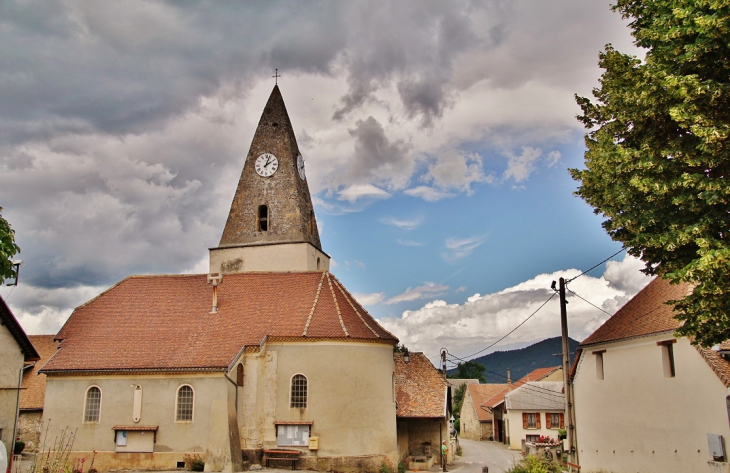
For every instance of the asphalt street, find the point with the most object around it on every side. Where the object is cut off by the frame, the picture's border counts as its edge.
(476, 455)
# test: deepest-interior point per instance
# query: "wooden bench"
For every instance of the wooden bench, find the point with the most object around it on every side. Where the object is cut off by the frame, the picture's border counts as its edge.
(281, 455)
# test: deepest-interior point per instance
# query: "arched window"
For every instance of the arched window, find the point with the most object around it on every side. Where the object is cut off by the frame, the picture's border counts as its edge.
(263, 220)
(92, 407)
(318, 263)
(299, 391)
(184, 408)
(239, 374)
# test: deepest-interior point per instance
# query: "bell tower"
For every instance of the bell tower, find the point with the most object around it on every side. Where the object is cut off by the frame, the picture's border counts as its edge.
(271, 224)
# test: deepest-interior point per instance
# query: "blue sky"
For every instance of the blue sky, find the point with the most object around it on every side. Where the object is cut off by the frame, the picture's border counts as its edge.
(437, 138)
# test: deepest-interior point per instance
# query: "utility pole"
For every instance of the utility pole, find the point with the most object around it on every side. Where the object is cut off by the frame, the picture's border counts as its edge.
(443, 361)
(566, 369)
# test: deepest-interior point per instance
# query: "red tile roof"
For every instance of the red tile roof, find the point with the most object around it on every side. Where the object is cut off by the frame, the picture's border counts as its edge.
(165, 322)
(34, 394)
(479, 394)
(420, 389)
(645, 314)
(534, 375)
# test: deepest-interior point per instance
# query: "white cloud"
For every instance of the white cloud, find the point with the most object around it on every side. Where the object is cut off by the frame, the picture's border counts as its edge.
(462, 247)
(404, 224)
(520, 167)
(553, 158)
(428, 289)
(429, 194)
(455, 170)
(369, 299)
(482, 319)
(360, 191)
(408, 243)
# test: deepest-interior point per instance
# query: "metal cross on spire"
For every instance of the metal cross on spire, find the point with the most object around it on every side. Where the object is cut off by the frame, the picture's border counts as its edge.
(276, 76)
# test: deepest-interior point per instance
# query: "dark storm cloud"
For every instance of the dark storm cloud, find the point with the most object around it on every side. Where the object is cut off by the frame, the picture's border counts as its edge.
(377, 158)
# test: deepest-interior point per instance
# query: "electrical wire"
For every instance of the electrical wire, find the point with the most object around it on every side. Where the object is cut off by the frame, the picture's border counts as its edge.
(511, 331)
(589, 302)
(595, 266)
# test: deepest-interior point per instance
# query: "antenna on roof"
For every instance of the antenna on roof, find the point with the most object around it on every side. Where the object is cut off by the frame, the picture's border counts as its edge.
(215, 280)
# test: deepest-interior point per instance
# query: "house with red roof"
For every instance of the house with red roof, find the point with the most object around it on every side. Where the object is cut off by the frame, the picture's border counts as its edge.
(267, 355)
(497, 407)
(423, 401)
(645, 400)
(475, 419)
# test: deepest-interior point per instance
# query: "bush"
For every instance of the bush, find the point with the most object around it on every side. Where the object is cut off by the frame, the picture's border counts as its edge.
(457, 425)
(194, 462)
(19, 447)
(533, 464)
(459, 451)
(402, 467)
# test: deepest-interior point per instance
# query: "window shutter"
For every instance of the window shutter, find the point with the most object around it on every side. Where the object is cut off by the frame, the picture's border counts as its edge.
(548, 420)
(524, 420)
(562, 421)
(537, 420)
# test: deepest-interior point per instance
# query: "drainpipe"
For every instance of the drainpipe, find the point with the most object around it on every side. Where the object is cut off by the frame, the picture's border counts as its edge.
(17, 414)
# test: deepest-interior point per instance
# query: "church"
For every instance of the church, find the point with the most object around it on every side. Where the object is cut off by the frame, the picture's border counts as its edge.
(267, 351)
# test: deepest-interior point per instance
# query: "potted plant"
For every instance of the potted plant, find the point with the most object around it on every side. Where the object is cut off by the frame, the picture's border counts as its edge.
(562, 434)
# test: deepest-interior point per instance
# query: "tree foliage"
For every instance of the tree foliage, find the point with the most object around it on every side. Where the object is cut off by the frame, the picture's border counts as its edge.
(8, 249)
(658, 157)
(458, 400)
(469, 370)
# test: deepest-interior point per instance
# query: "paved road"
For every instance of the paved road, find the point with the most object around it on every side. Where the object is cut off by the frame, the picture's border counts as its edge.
(479, 454)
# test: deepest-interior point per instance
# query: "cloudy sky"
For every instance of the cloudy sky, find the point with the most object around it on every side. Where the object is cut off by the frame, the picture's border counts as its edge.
(437, 137)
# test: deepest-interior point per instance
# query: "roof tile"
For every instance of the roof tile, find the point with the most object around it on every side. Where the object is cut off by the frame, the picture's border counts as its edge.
(165, 321)
(420, 388)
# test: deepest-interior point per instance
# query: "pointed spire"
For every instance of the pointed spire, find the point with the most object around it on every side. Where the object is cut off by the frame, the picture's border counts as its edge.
(272, 204)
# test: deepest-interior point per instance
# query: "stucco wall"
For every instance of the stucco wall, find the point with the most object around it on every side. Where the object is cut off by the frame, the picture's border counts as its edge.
(350, 400)
(636, 419)
(12, 362)
(517, 432)
(274, 257)
(64, 404)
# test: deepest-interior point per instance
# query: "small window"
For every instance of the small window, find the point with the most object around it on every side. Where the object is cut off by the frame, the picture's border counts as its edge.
(298, 391)
(668, 357)
(599, 363)
(180, 465)
(312, 225)
(318, 264)
(530, 420)
(263, 220)
(532, 438)
(239, 374)
(184, 408)
(292, 435)
(555, 420)
(93, 405)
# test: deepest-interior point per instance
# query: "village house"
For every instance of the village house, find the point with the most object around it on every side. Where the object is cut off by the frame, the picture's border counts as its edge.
(423, 408)
(496, 404)
(267, 352)
(648, 401)
(475, 419)
(33, 394)
(533, 410)
(16, 352)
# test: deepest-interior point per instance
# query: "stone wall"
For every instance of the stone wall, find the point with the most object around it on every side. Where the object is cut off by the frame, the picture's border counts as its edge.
(29, 429)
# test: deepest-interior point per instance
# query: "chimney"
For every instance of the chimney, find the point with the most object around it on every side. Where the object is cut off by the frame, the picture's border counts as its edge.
(509, 377)
(215, 280)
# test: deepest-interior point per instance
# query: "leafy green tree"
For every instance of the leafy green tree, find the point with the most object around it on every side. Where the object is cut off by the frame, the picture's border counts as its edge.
(458, 400)
(469, 370)
(8, 249)
(658, 157)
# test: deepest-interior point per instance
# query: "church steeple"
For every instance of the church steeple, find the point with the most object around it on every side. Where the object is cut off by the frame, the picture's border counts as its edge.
(272, 209)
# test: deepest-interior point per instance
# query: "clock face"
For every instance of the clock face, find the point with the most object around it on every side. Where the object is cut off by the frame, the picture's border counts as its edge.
(266, 165)
(300, 166)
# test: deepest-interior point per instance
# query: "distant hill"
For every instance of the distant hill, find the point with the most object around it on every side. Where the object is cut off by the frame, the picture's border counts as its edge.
(522, 361)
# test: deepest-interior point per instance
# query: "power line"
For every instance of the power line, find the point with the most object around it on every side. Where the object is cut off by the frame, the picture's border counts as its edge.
(589, 302)
(508, 333)
(595, 266)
